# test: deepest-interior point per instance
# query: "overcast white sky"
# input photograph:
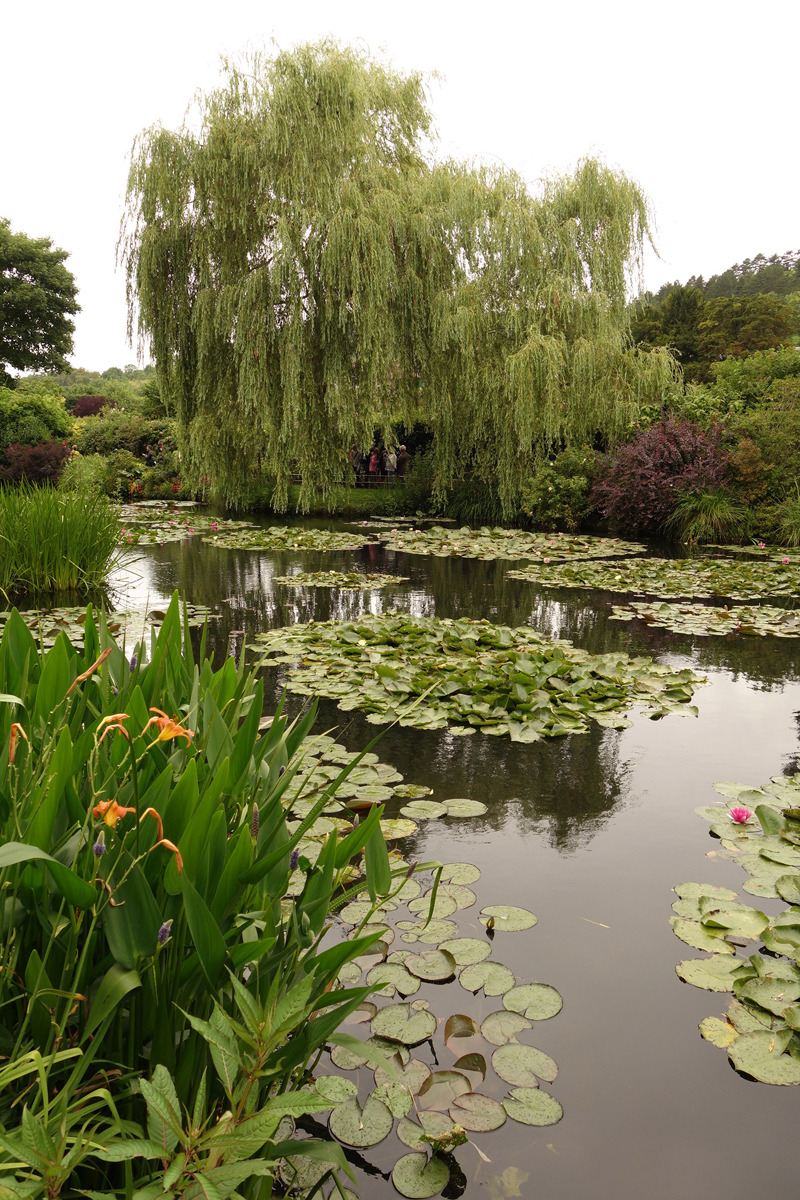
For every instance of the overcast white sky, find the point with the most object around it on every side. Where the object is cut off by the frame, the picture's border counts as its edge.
(695, 99)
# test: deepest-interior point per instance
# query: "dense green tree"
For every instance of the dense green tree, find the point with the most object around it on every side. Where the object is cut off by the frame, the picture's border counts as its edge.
(675, 323)
(304, 272)
(37, 298)
(736, 328)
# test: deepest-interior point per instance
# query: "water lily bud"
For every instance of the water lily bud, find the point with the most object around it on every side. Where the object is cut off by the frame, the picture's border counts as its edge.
(99, 847)
(254, 822)
(164, 932)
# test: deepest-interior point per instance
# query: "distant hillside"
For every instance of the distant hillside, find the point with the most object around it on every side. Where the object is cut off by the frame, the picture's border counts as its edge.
(759, 276)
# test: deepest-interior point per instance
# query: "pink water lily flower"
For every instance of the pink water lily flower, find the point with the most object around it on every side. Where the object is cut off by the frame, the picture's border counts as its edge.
(740, 816)
(547, 560)
(785, 562)
(761, 545)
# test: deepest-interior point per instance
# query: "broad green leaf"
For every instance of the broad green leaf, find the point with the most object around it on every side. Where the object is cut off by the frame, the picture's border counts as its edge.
(719, 1033)
(693, 891)
(208, 940)
(519, 1065)
(774, 995)
(74, 889)
(536, 1001)
(477, 1113)
(505, 918)
(464, 873)
(697, 935)
(431, 1123)
(396, 1098)
(412, 1076)
(391, 977)
(467, 951)
(530, 1106)
(423, 810)
(713, 974)
(354, 1126)
(415, 1177)
(430, 933)
(464, 808)
(443, 906)
(114, 987)
(435, 965)
(397, 1022)
(501, 1027)
(493, 977)
(335, 1089)
(762, 1056)
(441, 1088)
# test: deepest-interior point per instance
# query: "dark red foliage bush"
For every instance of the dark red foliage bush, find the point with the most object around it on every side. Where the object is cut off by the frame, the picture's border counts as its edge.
(37, 464)
(90, 406)
(638, 483)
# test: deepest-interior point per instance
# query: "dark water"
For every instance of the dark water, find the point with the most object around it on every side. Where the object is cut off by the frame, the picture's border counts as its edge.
(590, 833)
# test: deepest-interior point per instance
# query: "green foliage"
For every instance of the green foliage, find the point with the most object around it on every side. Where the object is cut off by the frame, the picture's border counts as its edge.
(789, 514)
(745, 383)
(346, 281)
(31, 417)
(738, 328)
(37, 298)
(706, 620)
(116, 429)
(707, 516)
(53, 541)
(143, 861)
(674, 322)
(671, 578)
(557, 496)
(774, 430)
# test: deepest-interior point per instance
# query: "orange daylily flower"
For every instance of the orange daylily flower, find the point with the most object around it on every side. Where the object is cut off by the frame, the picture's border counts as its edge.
(168, 727)
(86, 674)
(12, 740)
(170, 846)
(151, 812)
(111, 812)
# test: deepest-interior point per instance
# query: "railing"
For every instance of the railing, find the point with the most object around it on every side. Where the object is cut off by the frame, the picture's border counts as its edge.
(364, 481)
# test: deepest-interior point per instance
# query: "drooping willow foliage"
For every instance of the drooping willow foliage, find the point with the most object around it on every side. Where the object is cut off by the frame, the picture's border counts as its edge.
(305, 271)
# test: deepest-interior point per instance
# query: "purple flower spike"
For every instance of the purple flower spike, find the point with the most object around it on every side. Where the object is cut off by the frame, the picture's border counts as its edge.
(133, 662)
(254, 822)
(294, 859)
(164, 932)
(99, 848)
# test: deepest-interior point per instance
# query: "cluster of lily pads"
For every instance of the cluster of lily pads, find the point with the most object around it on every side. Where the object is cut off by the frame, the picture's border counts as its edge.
(671, 578)
(759, 829)
(703, 620)
(285, 537)
(465, 675)
(344, 580)
(46, 624)
(140, 526)
(495, 543)
(444, 1068)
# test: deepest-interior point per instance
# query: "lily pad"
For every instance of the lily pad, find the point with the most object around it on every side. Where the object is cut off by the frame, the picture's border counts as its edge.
(467, 951)
(501, 1027)
(335, 1088)
(761, 1056)
(477, 1113)
(398, 1023)
(772, 994)
(432, 964)
(531, 1106)
(399, 828)
(460, 873)
(354, 1126)
(493, 977)
(441, 1088)
(693, 891)
(431, 1123)
(506, 918)
(463, 896)
(519, 1065)
(464, 808)
(391, 977)
(460, 1026)
(444, 906)
(361, 1015)
(536, 1001)
(358, 910)
(414, 1176)
(423, 810)
(412, 791)
(714, 974)
(430, 933)
(788, 888)
(695, 934)
(412, 1076)
(719, 1033)
(346, 1060)
(396, 1098)
(472, 1064)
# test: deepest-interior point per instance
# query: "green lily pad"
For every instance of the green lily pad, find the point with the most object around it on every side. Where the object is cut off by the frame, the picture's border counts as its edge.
(335, 1088)
(423, 810)
(464, 808)
(519, 1065)
(398, 1023)
(530, 1106)
(788, 888)
(430, 934)
(501, 1027)
(412, 791)
(493, 977)
(432, 964)
(358, 910)
(693, 891)
(386, 932)
(361, 1015)
(460, 873)
(399, 828)
(414, 1176)
(772, 994)
(467, 951)
(506, 918)
(391, 977)
(739, 919)
(471, 1064)
(752, 1020)
(762, 888)
(477, 1113)
(463, 896)
(409, 891)
(346, 1060)
(412, 1076)
(459, 1025)
(714, 974)
(354, 1126)
(695, 934)
(443, 906)
(536, 1001)
(349, 974)
(441, 1088)
(432, 1123)
(761, 1056)
(719, 1033)
(396, 1098)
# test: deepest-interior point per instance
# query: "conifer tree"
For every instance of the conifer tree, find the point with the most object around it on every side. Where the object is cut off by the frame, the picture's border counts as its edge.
(305, 271)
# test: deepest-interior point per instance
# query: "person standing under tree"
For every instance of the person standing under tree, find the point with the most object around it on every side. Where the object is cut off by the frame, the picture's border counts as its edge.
(391, 465)
(403, 460)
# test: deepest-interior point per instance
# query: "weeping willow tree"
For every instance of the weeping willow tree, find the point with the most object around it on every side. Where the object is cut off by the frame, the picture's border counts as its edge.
(305, 271)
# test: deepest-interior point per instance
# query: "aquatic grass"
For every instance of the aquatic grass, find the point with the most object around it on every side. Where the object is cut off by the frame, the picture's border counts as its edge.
(707, 516)
(53, 541)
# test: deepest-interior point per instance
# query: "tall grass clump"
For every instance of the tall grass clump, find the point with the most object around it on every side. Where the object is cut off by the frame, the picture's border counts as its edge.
(789, 516)
(52, 541)
(707, 516)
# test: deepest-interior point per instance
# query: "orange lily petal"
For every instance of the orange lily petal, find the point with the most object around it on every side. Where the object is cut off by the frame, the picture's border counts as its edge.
(152, 813)
(90, 671)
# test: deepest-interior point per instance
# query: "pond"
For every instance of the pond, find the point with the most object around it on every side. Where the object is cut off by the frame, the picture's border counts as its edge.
(589, 832)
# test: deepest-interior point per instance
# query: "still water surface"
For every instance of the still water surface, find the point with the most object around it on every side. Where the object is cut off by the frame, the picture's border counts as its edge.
(590, 833)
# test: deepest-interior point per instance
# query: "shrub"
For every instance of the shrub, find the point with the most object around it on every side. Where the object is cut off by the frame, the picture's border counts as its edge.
(36, 464)
(90, 406)
(774, 430)
(557, 496)
(115, 429)
(27, 418)
(744, 383)
(638, 483)
(707, 517)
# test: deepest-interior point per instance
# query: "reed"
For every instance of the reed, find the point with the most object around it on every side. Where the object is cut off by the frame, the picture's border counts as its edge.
(53, 541)
(707, 516)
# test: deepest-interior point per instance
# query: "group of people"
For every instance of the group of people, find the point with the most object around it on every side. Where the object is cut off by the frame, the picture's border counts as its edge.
(380, 463)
